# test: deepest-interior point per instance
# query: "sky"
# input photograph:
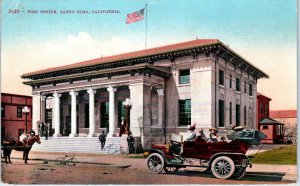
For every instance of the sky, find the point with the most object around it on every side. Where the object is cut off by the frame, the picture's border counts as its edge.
(262, 31)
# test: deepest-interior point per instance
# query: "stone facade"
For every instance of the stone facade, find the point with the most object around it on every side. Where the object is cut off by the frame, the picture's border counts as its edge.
(152, 83)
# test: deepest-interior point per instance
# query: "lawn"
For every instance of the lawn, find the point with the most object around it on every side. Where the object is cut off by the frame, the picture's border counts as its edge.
(282, 156)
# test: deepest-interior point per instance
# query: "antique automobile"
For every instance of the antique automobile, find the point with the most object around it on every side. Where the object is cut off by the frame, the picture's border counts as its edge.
(225, 159)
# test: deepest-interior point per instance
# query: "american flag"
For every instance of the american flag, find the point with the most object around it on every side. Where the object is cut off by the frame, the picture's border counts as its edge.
(135, 16)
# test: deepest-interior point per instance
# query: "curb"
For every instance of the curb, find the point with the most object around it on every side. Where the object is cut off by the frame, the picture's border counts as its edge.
(290, 178)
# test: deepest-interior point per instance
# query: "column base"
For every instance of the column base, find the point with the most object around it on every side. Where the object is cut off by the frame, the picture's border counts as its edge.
(73, 135)
(56, 135)
(92, 135)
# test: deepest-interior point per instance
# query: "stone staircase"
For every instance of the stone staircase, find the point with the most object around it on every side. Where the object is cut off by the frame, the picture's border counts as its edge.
(78, 144)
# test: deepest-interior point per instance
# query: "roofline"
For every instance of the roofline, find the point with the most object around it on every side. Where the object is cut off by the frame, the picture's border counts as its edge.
(18, 95)
(95, 62)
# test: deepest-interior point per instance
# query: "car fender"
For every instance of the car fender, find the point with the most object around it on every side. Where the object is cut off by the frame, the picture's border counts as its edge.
(161, 153)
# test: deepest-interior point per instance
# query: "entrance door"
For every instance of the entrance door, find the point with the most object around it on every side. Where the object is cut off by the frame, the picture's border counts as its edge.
(104, 110)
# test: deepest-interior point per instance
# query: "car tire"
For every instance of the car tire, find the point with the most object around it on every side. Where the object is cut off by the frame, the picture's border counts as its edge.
(239, 173)
(171, 169)
(155, 163)
(222, 167)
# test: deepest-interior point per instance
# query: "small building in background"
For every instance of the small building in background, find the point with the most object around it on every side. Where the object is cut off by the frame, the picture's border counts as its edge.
(289, 118)
(13, 120)
(272, 128)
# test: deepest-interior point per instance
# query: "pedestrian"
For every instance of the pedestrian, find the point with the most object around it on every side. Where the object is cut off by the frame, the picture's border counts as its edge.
(42, 128)
(102, 138)
(39, 124)
(122, 127)
(130, 142)
(47, 130)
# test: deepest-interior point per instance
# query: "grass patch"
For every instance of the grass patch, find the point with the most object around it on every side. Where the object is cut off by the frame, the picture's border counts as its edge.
(282, 156)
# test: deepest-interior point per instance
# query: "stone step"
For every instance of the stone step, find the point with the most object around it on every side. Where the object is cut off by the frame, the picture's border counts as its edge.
(77, 144)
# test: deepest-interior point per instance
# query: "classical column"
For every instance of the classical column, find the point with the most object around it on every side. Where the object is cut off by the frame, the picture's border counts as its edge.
(57, 114)
(161, 107)
(91, 112)
(73, 113)
(112, 125)
(36, 111)
(43, 108)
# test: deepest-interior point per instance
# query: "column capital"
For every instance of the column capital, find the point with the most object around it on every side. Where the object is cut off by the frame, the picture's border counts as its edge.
(55, 94)
(160, 91)
(72, 92)
(110, 88)
(91, 91)
(43, 98)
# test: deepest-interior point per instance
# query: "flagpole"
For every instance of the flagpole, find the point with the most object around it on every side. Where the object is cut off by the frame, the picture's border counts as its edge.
(146, 28)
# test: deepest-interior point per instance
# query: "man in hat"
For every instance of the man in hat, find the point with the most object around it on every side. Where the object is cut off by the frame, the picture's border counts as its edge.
(213, 135)
(202, 135)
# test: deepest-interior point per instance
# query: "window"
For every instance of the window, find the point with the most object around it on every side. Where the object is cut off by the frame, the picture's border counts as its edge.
(87, 116)
(230, 113)
(185, 112)
(266, 109)
(261, 108)
(121, 112)
(245, 115)
(238, 85)
(245, 87)
(2, 111)
(104, 114)
(221, 113)
(237, 115)
(265, 127)
(184, 76)
(230, 81)
(221, 77)
(19, 112)
(250, 89)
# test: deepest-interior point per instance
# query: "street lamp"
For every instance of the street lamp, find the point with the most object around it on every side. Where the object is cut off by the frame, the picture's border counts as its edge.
(127, 104)
(25, 111)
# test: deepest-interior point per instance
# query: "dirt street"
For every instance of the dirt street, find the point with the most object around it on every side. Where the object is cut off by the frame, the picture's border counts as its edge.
(37, 172)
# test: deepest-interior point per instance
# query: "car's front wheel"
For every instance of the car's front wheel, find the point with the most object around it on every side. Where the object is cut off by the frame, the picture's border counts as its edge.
(155, 163)
(222, 167)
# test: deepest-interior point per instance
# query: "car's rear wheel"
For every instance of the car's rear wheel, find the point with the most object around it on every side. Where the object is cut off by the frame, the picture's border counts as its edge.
(222, 167)
(155, 163)
(171, 170)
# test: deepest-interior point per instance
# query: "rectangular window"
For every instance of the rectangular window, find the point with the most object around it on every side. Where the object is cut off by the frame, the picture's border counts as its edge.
(87, 116)
(221, 113)
(184, 76)
(2, 111)
(104, 108)
(185, 112)
(250, 89)
(245, 115)
(230, 113)
(221, 77)
(121, 112)
(237, 115)
(238, 85)
(245, 88)
(19, 112)
(261, 108)
(265, 127)
(230, 81)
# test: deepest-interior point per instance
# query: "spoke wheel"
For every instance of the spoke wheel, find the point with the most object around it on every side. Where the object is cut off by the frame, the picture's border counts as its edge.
(155, 163)
(222, 167)
(239, 173)
(171, 170)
